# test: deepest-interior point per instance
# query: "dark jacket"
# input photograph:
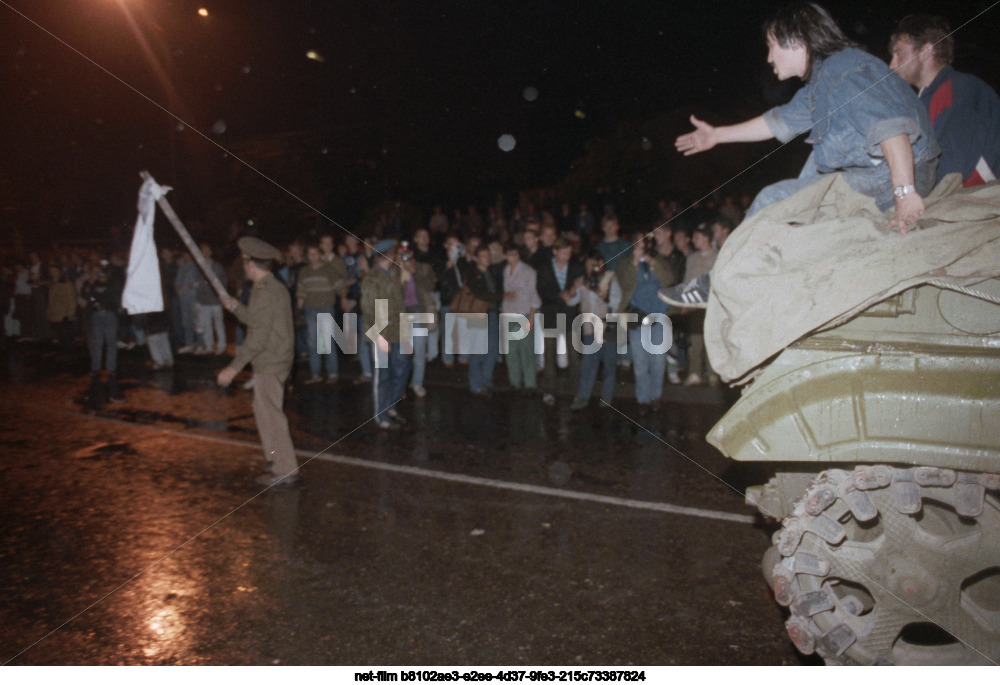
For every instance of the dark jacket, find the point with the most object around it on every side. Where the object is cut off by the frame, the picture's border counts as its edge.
(549, 290)
(485, 287)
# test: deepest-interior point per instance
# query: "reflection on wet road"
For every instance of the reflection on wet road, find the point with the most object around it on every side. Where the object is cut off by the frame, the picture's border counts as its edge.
(490, 530)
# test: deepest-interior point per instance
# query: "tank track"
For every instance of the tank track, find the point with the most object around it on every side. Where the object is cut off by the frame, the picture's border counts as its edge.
(867, 554)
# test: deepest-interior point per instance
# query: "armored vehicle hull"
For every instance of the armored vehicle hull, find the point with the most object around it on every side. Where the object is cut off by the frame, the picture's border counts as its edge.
(885, 436)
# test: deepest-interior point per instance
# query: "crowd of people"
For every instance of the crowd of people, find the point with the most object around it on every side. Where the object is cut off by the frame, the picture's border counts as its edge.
(461, 277)
(523, 261)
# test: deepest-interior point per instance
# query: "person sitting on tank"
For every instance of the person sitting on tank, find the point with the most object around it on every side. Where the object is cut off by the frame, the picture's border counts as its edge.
(964, 110)
(865, 123)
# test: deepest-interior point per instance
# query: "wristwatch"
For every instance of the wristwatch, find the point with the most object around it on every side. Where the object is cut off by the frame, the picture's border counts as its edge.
(900, 191)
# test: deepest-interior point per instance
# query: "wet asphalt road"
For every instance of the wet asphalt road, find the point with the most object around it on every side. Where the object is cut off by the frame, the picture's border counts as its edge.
(134, 533)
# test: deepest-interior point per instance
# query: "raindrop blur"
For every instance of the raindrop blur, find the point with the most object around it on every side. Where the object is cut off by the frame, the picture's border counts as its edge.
(315, 56)
(179, 127)
(246, 68)
(647, 144)
(560, 473)
(530, 93)
(218, 87)
(203, 12)
(506, 142)
(579, 114)
(219, 127)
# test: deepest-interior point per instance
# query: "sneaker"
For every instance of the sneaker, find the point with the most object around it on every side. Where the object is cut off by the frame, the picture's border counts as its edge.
(202, 351)
(418, 390)
(248, 385)
(673, 378)
(187, 349)
(313, 380)
(387, 425)
(693, 379)
(578, 403)
(396, 416)
(331, 379)
(548, 399)
(693, 294)
(220, 350)
(363, 379)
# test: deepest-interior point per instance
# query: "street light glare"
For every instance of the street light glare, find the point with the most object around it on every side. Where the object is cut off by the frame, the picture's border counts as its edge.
(203, 12)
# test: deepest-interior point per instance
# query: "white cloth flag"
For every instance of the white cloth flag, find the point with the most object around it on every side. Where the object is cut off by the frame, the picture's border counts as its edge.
(143, 292)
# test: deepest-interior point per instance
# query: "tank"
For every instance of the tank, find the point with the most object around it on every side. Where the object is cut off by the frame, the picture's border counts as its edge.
(884, 437)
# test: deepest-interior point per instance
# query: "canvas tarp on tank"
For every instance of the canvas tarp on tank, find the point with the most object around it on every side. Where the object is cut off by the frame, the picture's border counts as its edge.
(821, 256)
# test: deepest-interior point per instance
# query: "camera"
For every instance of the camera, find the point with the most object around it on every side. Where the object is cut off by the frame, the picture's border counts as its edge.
(594, 277)
(456, 252)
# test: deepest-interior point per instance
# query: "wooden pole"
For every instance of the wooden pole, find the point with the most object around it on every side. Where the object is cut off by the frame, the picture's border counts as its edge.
(199, 258)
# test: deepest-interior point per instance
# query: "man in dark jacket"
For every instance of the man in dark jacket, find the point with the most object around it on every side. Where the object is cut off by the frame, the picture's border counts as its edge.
(558, 283)
(104, 298)
(484, 286)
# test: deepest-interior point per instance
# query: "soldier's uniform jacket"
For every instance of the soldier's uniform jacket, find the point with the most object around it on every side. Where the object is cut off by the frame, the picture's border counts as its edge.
(379, 285)
(269, 342)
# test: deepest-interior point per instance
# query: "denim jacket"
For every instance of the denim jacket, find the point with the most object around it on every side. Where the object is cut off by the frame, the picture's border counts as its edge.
(852, 103)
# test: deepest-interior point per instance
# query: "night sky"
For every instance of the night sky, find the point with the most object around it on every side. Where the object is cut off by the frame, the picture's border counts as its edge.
(346, 103)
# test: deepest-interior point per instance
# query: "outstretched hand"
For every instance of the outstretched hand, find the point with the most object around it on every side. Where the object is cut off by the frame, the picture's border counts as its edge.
(702, 138)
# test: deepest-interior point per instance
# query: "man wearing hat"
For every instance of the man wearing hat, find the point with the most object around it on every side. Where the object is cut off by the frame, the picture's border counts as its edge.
(269, 348)
(392, 367)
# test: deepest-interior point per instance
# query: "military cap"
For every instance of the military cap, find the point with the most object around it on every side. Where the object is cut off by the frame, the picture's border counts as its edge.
(255, 248)
(385, 246)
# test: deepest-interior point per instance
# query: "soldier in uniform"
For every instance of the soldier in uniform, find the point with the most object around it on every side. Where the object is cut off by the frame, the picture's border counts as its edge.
(269, 348)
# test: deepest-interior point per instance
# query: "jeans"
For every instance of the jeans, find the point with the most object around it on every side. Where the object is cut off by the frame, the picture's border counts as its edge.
(874, 182)
(421, 345)
(455, 330)
(316, 360)
(607, 356)
(364, 348)
(103, 334)
(550, 377)
(434, 337)
(522, 369)
(188, 320)
(210, 324)
(648, 368)
(392, 380)
(481, 366)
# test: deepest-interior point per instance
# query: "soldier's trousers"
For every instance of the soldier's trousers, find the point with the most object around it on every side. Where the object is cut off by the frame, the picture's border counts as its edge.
(272, 424)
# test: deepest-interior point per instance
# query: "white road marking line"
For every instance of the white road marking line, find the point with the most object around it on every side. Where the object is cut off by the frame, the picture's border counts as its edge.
(536, 489)
(661, 507)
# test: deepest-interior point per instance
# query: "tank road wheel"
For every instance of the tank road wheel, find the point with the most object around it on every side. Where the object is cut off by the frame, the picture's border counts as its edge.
(885, 565)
